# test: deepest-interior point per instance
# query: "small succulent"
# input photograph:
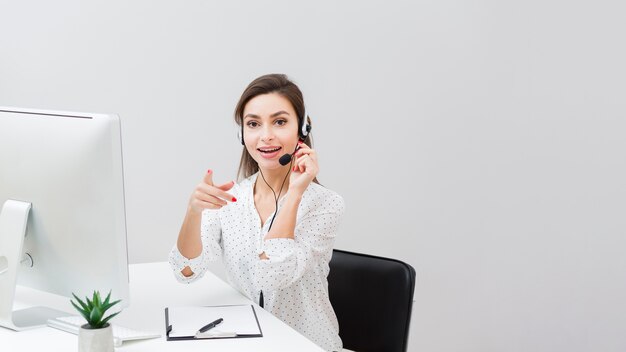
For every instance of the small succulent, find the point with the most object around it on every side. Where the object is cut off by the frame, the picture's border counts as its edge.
(93, 311)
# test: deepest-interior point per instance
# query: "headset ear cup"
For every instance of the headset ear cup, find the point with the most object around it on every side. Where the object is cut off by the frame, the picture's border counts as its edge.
(305, 131)
(306, 127)
(240, 136)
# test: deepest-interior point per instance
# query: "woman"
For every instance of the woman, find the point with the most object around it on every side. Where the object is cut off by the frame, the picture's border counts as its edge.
(277, 258)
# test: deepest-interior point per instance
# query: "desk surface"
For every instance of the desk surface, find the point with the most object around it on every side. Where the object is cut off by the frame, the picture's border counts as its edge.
(152, 288)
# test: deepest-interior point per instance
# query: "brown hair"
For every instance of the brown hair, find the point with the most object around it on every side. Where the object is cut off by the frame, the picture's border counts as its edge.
(271, 83)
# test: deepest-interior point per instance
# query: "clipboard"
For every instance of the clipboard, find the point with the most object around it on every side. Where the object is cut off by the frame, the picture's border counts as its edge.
(240, 321)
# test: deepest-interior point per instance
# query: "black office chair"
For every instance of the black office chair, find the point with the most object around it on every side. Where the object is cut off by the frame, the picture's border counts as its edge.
(372, 297)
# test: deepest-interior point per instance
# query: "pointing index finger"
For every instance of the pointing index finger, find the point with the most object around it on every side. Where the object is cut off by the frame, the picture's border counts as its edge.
(208, 177)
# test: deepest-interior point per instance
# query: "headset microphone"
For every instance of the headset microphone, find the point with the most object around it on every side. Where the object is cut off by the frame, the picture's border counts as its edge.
(285, 159)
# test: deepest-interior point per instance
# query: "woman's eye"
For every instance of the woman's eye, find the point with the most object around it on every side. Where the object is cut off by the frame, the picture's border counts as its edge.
(252, 124)
(281, 122)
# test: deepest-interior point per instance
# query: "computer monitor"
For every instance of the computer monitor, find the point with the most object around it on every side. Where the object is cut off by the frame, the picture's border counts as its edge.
(62, 221)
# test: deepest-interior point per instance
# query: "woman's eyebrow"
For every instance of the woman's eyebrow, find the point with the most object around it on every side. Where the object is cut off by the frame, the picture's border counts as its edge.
(278, 113)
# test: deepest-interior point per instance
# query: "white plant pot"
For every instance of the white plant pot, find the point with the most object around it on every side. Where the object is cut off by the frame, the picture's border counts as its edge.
(95, 340)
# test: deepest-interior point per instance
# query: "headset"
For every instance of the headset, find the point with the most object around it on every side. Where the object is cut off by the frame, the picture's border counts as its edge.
(303, 128)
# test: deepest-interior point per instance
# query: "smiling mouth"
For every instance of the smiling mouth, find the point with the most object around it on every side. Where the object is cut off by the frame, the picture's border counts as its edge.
(269, 151)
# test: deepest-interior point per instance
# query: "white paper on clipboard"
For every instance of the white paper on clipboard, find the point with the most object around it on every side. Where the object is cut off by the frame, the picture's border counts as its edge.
(239, 320)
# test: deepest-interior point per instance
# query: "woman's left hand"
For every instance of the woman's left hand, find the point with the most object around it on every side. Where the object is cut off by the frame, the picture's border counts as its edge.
(304, 169)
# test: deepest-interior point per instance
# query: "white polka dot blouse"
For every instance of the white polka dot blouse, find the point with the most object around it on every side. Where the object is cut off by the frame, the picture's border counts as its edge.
(294, 278)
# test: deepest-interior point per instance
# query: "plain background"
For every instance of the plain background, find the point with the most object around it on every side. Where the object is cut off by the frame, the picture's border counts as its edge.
(480, 141)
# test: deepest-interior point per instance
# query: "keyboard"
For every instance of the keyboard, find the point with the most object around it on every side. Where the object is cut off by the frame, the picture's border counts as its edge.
(73, 323)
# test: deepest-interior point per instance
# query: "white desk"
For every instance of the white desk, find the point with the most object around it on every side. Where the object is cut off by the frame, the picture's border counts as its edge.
(152, 288)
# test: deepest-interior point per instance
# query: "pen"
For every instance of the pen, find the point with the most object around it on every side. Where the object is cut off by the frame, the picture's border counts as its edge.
(210, 325)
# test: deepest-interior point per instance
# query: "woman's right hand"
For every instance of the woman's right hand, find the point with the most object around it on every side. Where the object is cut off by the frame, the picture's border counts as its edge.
(208, 196)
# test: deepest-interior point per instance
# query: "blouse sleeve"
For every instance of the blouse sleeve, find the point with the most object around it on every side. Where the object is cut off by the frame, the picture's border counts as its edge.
(290, 259)
(211, 236)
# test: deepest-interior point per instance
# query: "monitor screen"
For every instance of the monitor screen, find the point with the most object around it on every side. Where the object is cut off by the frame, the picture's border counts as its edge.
(67, 167)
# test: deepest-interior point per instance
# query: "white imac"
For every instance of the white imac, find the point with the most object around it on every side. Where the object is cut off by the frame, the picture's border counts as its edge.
(62, 213)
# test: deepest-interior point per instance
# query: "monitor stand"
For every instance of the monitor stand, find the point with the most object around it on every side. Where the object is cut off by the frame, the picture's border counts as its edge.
(13, 220)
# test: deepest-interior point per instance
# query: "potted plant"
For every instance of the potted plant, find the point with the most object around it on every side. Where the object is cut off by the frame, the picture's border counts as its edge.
(97, 334)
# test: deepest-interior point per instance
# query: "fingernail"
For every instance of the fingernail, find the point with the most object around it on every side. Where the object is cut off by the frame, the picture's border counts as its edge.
(234, 199)
(209, 171)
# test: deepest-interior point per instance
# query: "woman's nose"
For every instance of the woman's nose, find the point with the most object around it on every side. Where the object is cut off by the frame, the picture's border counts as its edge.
(267, 135)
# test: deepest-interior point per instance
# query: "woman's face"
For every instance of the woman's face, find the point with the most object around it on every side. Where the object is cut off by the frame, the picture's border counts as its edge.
(270, 129)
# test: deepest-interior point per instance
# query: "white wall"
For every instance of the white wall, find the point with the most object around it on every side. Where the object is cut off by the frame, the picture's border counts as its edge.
(482, 142)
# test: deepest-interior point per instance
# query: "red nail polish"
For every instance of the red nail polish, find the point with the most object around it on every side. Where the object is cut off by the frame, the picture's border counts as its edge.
(209, 171)
(234, 199)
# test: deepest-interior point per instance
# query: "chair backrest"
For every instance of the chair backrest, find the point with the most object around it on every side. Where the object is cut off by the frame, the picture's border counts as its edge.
(372, 298)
